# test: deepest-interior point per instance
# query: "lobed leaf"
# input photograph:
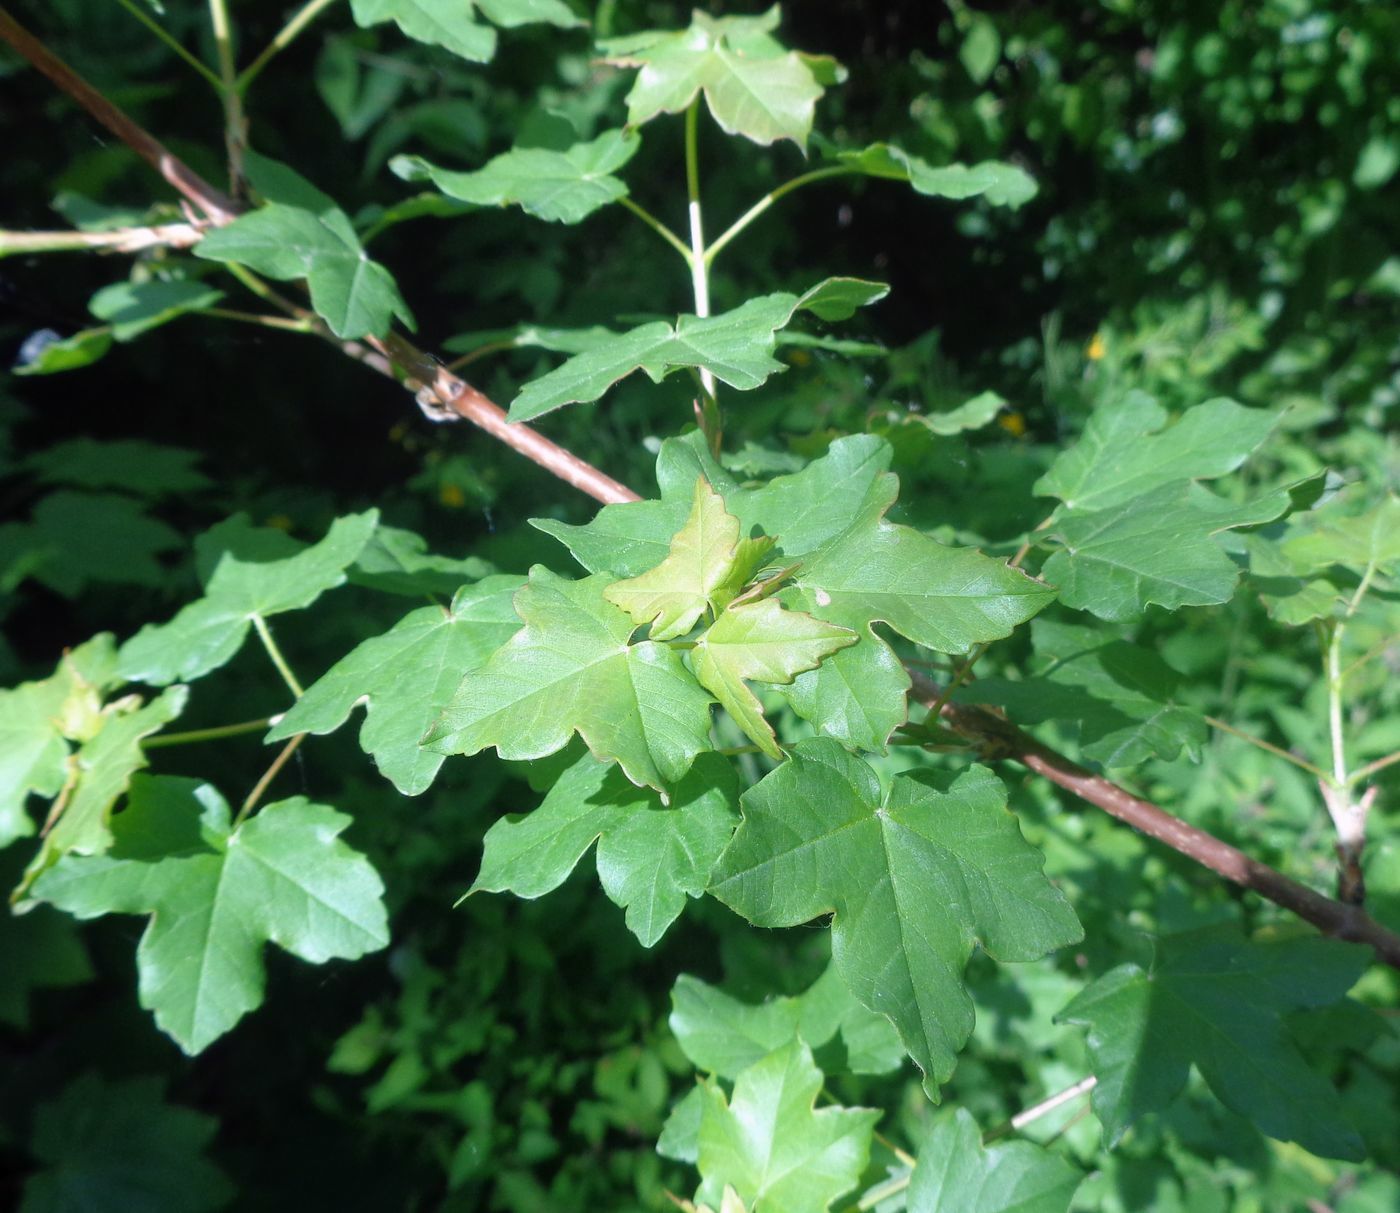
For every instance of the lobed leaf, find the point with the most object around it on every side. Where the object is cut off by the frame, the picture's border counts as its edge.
(912, 878)
(572, 669)
(405, 678)
(248, 574)
(1001, 184)
(772, 1147)
(450, 24)
(217, 893)
(650, 857)
(562, 187)
(1217, 1001)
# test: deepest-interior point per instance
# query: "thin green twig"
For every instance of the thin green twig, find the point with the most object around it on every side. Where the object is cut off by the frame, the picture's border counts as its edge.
(657, 226)
(171, 41)
(235, 124)
(284, 38)
(1277, 751)
(285, 323)
(251, 801)
(216, 733)
(768, 199)
(265, 635)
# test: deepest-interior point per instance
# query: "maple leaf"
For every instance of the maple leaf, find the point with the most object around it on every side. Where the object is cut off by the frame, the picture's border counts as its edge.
(216, 893)
(771, 1146)
(572, 669)
(913, 878)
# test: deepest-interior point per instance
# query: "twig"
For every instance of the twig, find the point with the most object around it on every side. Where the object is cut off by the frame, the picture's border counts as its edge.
(216, 733)
(251, 801)
(1043, 1108)
(118, 240)
(999, 738)
(217, 205)
(1277, 751)
(995, 735)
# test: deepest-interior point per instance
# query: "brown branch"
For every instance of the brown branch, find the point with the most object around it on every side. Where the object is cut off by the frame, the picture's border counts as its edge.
(995, 736)
(423, 371)
(117, 240)
(213, 202)
(999, 738)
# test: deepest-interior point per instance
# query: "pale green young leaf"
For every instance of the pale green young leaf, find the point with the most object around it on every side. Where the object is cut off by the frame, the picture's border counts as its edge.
(956, 1173)
(724, 1036)
(1154, 549)
(650, 857)
(405, 677)
(753, 85)
(563, 187)
(217, 894)
(770, 1143)
(247, 574)
(1001, 184)
(1217, 1001)
(762, 642)
(735, 346)
(913, 878)
(37, 721)
(1128, 449)
(672, 596)
(99, 773)
(105, 1144)
(572, 669)
(132, 308)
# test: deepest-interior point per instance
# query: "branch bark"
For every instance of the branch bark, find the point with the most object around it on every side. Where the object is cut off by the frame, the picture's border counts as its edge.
(997, 737)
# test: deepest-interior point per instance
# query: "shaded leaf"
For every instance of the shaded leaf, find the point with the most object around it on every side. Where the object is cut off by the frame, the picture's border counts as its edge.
(396, 561)
(247, 575)
(104, 1143)
(771, 1146)
(1357, 542)
(979, 411)
(133, 308)
(405, 677)
(131, 465)
(217, 893)
(46, 353)
(1216, 1001)
(571, 669)
(650, 857)
(563, 187)
(913, 878)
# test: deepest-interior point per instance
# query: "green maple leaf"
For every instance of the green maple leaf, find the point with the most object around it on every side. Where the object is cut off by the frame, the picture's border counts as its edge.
(571, 669)
(724, 1036)
(248, 575)
(99, 774)
(853, 567)
(1122, 696)
(700, 560)
(43, 949)
(1136, 527)
(1128, 449)
(753, 85)
(913, 878)
(955, 1172)
(650, 857)
(771, 1146)
(563, 187)
(82, 349)
(301, 233)
(130, 465)
(763, 642)
(118, 1144)
(217, 893)
(1217, 1001)
(405, 678)
(395, 561)
(1001, 184)
(1370, 540)
(37, 721)
(133, 308)
(450, 23)
(736, 347)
